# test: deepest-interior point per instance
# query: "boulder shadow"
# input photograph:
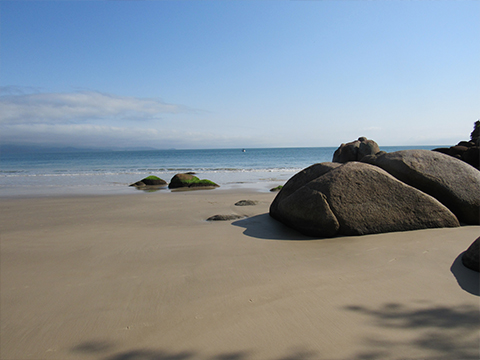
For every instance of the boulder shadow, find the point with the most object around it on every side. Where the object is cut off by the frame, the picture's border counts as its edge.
(263, 226)
(468, 280)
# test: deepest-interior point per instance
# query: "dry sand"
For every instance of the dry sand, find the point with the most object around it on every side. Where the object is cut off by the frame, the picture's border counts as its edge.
(145, 277)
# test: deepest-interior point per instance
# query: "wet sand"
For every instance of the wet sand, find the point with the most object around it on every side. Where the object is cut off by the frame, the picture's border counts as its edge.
(146, 277)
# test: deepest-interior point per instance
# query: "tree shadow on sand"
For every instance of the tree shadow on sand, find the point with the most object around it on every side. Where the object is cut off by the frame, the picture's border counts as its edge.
(99, 347)
(263, 226)
(468, 280)
(440, 331)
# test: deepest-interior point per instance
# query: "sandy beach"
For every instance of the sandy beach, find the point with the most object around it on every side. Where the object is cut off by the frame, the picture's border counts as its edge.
(146, 277)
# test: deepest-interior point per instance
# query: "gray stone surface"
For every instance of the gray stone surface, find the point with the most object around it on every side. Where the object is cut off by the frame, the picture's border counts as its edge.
(146, 182)
(301, 178)
(355, 150)
(307, 211)
(225, 217)
(357, 199)
(451, 181)
(471, 257)
(246, 203)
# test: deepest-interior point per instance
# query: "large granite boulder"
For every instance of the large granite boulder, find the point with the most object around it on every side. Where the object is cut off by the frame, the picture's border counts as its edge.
(355, 150)
(300, 179)
(471, 257)
(355, 199)
(451, 181)
(190, 181)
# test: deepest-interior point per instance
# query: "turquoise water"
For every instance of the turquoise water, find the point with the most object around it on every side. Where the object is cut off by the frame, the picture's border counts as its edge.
(112, 171)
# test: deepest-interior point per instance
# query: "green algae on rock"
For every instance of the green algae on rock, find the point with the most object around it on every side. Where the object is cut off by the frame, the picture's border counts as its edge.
(149, 181)
(190, 181)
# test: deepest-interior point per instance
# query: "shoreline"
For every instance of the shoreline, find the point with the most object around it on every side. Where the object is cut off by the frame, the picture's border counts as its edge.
(79, 191)
(94, 173)
(120, 277)
(109, 187)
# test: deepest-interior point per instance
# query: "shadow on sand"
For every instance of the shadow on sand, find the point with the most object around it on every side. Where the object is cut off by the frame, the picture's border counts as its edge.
(443, 332)
(263, 226)
(468, 280)
(100, 348)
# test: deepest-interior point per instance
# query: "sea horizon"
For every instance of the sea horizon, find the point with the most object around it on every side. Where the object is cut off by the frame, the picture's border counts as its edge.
(112, 171)
(27, 148)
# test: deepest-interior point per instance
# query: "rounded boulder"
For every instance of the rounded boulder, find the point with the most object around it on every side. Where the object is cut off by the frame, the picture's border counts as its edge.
(358, 199)
(471, 257)
(451, 181)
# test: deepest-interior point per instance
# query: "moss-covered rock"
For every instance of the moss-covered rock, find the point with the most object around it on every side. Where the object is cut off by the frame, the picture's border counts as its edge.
(190, 181)
(149, 181)
(277, 188)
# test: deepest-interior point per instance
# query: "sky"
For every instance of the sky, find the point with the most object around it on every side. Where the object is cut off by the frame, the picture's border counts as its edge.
(238, 74)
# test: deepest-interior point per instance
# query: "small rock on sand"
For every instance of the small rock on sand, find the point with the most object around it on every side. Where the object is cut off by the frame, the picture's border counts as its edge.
(225, 217)
(246, 203)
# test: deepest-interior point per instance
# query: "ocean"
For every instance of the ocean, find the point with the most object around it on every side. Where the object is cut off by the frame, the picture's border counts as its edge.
(110, 172)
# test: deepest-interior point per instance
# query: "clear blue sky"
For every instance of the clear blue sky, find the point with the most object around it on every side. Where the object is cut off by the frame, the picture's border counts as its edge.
(225, 74)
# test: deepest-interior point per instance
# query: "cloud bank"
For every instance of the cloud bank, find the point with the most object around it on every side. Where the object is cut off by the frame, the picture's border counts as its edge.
(90, 119)
(99, 120)
(54, 108)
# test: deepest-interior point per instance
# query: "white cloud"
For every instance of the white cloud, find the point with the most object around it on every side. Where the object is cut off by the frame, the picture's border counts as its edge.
(94, 119)
(58, 108)
(91, 119)
(99, 120)
(100, 136)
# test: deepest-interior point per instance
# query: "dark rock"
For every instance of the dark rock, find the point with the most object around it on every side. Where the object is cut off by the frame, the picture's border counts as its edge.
(465, 151)
(356, 199)
(150, 181)
(154, 182)
(472, 156)
(307, 211)
(458, 150)
(475, 134)
(246, 203)
(276, 188)
(468, 151)
(467, 144)
(189, 181)
(471, 257)
(300, 179)
(442, 150)
(138, 184)
(355, 150)
(451, 181)
(225, 217)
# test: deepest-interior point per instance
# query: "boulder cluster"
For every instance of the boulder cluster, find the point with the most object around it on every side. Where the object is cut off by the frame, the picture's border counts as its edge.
(355, 150)
(184, 180)
(468, 151)
(379, 192)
